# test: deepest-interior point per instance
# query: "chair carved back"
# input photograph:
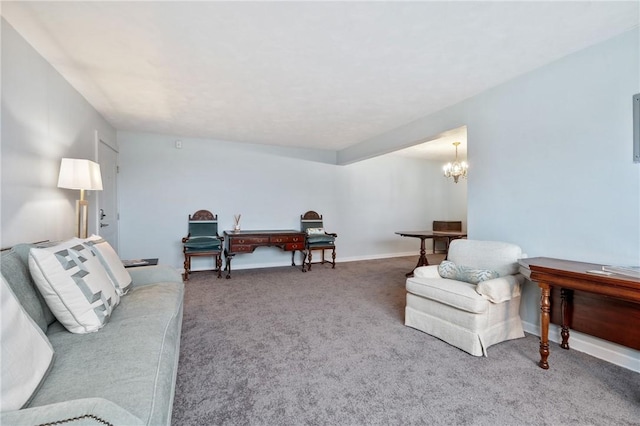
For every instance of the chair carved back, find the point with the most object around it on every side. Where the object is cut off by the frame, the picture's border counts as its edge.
(203, 223)
(311, 219)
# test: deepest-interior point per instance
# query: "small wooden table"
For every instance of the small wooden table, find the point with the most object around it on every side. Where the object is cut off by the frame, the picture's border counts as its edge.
(247, 241)
(571, 275)
(424, 235)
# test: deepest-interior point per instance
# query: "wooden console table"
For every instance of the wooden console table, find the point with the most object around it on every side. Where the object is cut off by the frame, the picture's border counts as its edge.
(570, 276)
(247, 241)
(425, 235)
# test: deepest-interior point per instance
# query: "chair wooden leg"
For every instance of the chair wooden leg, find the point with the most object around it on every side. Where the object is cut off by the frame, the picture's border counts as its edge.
(333, 259)
(187, 266)
(309, 261)
(219, 264)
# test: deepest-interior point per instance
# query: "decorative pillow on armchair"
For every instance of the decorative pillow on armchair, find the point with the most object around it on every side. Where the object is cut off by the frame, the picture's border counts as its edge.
(74, 284)
(450, 270)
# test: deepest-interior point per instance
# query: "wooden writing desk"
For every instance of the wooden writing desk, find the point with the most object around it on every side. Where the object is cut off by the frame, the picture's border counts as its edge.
(569, 276)
(425, 235)
(247, 241)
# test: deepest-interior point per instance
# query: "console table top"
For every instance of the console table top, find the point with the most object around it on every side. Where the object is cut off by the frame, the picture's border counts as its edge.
(573, 269)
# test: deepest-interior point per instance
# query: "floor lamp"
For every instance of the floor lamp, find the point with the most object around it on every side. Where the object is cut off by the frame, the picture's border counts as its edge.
(85, 176)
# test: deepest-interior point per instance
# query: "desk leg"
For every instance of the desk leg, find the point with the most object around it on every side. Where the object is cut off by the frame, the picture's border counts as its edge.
(545, 310)
(422, 261)
(227, 267)
(566, 296)
(293, 262)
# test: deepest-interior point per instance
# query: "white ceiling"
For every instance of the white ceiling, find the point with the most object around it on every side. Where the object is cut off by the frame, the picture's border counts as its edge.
(322, 75)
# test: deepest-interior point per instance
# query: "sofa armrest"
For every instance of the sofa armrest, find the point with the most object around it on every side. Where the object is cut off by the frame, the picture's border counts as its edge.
(145, 275)
(430, 271)
(87, 411)
(501, 289)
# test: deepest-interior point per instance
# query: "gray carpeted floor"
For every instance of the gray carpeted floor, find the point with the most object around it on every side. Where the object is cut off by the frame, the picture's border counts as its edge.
(328, 347)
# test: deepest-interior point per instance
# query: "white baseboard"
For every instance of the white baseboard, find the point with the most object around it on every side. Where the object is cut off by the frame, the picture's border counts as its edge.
(608, 351)
(298, 264)
(376, 256)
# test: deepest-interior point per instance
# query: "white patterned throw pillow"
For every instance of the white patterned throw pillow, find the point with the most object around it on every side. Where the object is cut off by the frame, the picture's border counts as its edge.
(26, 353)
(111, 262)
(450, 270)
(74, 284)
(315, 231)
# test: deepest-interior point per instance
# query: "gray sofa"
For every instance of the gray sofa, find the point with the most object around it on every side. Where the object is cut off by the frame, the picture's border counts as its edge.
(125, 373)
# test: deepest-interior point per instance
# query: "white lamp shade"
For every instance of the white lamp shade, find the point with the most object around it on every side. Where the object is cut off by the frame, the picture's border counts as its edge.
(79, 174)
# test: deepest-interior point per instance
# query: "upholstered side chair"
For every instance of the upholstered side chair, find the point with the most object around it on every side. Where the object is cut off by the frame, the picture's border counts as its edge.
(471, 301)
(202, 240)
(317, 238)
(444, 225)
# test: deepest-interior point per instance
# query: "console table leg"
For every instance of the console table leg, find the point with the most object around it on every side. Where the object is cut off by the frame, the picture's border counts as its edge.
(566, 297)
(545, 310)
(293, 262)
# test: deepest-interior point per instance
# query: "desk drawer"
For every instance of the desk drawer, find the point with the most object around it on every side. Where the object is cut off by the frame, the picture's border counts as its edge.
(279, 239)
(249, 240)
(294, 246)
(241, 248)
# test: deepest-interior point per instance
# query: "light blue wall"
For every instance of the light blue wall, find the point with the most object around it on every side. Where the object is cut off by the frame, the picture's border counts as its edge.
(365, 203)
(43, 120)
(552, 156)
(552, 159)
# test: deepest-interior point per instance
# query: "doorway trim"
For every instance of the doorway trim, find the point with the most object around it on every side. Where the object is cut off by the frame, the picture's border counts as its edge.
(98, 139)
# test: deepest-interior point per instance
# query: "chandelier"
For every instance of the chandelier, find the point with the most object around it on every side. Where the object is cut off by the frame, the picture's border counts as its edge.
(456, 169)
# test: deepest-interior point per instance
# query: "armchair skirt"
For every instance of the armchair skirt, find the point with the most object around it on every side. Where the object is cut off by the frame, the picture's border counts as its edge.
(471, 332)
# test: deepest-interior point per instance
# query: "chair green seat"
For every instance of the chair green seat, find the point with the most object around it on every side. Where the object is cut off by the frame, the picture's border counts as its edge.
(320, 240)
(203, 243)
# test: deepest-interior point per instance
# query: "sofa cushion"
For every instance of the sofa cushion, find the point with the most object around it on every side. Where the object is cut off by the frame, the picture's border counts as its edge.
(15, 269)
(458, 294)
(131, 362)
(26, 352)
(448, 269)
(78, 412)
(74, 285)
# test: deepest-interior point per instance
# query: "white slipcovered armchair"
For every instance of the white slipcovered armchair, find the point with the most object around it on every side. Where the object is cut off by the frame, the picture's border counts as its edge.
(469, 316)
